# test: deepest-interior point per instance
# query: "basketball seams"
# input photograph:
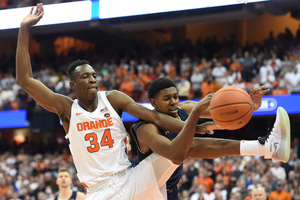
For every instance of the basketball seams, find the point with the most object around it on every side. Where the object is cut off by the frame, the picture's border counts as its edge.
(232, 119)
(232, 104)
(231, 90)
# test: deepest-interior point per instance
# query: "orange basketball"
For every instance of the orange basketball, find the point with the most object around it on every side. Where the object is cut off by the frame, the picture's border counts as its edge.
(231, 107)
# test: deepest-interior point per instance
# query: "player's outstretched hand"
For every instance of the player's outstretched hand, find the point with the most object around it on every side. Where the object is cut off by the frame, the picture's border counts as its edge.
(256, 96)
(34, 16)
(204, 103)
(207, 128)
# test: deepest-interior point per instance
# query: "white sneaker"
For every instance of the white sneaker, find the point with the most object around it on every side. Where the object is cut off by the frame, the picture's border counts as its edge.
(277, 143)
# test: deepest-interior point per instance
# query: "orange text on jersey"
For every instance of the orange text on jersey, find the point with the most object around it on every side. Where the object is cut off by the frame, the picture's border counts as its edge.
(91, 125)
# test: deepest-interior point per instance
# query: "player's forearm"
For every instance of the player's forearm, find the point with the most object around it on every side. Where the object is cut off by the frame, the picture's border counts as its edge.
(182, 143)
(23, 65)
(168, 123)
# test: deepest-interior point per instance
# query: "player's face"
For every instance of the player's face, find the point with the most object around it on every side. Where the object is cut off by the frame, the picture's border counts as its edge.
(85, 81)
(63, 179)
(166, 101)
(258, 194)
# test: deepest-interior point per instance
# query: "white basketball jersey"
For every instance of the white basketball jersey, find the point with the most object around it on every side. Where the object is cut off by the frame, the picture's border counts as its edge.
(97, 142)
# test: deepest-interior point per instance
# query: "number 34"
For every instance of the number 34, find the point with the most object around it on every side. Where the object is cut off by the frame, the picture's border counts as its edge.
(93, 138)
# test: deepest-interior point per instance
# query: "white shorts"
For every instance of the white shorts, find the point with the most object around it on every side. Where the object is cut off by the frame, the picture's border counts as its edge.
(146, 181)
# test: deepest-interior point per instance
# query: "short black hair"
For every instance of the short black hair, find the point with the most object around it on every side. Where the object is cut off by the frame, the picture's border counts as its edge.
(158, 85)
(73, 65)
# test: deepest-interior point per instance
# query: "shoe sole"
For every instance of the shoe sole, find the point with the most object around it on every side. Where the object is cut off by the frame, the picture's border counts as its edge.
(283, 153)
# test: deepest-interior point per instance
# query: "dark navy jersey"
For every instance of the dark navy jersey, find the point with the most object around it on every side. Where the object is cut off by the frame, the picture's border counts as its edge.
(73, 197)
(174, 179)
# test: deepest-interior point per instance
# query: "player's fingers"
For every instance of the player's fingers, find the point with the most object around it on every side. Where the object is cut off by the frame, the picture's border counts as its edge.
(265, 91)
(31, 10)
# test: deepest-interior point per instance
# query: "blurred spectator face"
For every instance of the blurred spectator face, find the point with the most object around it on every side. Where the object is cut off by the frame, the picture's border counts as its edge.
(259, 194)
(279, 187)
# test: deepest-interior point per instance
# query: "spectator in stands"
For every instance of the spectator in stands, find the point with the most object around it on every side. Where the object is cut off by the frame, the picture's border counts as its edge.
(7, 96)
(233, 77)
(292, 80)
(278, 170)
(138, 88)
(279, 193)
(219, 73)
(199, 193)
(63, 86)
(196, 80)
(248, 66)
(127, 85)
(258, 193)
(205, 180)
(207, 86)
(184, 86)
(235, 66)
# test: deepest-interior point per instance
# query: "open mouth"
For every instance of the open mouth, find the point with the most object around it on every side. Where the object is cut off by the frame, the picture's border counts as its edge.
(174, 110)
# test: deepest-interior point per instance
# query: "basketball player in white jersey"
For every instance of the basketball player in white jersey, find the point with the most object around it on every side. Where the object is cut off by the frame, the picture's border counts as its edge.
(96, 132)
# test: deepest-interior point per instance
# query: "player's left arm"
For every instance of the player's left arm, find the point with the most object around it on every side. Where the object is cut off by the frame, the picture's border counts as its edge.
(256, 96)
(122, 102)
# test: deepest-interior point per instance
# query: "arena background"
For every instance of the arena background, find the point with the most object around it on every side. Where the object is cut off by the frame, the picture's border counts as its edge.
(251, 23)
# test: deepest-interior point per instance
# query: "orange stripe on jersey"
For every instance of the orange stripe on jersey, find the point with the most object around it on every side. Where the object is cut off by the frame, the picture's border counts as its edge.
(82, 183)
(92, 125)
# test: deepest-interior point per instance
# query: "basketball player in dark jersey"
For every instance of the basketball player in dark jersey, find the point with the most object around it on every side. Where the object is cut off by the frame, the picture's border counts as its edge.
(163, 96)
(64, 182)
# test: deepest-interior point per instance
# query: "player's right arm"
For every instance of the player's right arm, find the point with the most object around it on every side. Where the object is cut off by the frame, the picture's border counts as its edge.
(177, 149)
(42, 95)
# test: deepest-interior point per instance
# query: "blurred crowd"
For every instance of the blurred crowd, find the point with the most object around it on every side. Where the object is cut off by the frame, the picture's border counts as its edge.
(28, 171)
(197, 69)
(5, 4)
(233, 178)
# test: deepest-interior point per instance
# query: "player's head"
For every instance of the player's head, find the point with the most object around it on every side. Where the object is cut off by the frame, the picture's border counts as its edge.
(63, 179)
(259, 193)
(73, 65)
(83, 78)
(163, 96)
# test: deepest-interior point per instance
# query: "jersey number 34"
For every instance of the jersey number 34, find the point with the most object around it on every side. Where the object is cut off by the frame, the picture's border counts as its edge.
(95, 145)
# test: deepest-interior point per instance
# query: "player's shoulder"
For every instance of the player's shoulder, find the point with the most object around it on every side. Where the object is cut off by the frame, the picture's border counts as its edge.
(146, 126)
(65, 104)
(80, 195)
(116, 96)
(113, 92)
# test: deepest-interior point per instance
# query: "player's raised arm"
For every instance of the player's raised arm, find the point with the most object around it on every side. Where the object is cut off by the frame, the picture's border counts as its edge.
(42, 95)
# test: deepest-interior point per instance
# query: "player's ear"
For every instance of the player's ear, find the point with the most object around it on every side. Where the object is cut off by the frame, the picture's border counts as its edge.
(72, 84)
(153, 103)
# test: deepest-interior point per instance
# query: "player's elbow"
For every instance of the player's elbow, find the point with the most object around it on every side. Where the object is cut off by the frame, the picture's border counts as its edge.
(22, 81)
(178, 158)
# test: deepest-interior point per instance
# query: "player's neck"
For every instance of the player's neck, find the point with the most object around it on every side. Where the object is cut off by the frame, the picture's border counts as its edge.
(64, 193)
(88, 105)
